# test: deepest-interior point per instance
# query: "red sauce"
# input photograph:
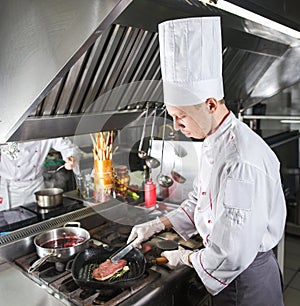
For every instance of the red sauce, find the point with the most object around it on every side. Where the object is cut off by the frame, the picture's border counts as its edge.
(65, 242)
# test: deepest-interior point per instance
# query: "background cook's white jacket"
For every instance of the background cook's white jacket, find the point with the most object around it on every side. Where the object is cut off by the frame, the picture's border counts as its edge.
(22, 176)
(237, 205)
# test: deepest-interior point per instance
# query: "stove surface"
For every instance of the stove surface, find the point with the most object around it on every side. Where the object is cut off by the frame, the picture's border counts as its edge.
(31, 213)
(16, 218)
(68, 205)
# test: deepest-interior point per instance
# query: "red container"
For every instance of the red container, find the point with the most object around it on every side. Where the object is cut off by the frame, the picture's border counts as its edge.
(150, 193)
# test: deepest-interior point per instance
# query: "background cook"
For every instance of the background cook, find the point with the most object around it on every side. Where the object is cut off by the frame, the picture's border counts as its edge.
(21, 168)
(237, 205)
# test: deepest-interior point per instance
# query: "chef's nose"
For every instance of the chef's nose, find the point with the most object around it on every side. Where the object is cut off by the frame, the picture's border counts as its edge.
(176, 125)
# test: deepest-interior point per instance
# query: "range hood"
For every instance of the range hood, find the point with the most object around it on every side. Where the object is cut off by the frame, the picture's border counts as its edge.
(73, 67)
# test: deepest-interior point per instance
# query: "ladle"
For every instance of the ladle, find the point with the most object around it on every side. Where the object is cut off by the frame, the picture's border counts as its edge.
(141, 153)
(56, 170)
(179, 150)
(176, 176)
(151, 161)
(164, 180)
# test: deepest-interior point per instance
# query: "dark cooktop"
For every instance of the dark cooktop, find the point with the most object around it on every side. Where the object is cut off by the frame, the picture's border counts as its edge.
(31, 213)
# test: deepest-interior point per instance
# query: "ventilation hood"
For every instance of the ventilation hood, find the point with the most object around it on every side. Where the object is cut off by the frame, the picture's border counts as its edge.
(73, 67)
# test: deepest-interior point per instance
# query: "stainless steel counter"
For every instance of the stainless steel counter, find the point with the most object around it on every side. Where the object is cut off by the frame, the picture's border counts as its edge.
(17, 289)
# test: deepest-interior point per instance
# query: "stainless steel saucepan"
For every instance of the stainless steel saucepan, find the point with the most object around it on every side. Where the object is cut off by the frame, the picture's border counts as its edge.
(60, 244)
(49, 197)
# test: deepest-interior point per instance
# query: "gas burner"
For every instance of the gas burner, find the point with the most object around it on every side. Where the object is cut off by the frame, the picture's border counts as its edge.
(112, 234)
(60, 266)
(106, 295)
(51, 274)
(68, 285)
(124, 230)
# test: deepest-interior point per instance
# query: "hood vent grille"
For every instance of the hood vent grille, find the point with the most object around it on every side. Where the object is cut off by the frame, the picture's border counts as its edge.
(121, 55)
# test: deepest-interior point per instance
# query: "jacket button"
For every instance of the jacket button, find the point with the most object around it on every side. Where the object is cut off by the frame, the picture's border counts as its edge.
(203, 193)
(209, 221)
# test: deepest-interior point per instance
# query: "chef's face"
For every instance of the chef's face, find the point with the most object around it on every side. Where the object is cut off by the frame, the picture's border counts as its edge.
(194, 121)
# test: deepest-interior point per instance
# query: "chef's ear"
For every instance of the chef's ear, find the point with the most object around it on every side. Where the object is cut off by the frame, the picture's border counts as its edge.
(211, 104)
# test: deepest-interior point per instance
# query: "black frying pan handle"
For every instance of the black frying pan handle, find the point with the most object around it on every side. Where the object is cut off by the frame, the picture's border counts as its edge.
(159, 260)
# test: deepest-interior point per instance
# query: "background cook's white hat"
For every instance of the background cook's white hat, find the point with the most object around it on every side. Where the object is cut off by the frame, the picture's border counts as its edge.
(191, 60)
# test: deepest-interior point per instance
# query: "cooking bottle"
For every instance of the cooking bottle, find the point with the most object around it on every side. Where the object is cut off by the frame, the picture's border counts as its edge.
(122, 180)
(150, 193)
(145, 178)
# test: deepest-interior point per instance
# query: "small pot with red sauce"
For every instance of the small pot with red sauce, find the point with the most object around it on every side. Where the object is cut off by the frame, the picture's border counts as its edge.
(60, 244)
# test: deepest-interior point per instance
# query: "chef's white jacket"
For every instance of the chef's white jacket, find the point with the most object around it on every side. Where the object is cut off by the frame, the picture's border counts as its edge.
(237, 205)
(23, 175)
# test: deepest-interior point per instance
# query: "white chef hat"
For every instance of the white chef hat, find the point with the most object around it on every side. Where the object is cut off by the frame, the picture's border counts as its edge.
(191, 60)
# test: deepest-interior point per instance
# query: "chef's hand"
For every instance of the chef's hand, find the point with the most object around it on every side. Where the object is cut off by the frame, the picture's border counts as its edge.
(70, 163)
(144, 231)
(177, 258)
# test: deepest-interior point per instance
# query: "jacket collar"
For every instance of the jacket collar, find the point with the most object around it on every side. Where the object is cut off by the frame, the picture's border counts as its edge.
(224, 125)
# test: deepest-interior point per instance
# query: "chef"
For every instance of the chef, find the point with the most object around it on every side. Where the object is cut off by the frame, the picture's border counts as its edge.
(237, 204)
(21, 168)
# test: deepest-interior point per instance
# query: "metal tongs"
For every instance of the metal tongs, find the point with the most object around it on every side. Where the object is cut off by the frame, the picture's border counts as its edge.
(120, 253)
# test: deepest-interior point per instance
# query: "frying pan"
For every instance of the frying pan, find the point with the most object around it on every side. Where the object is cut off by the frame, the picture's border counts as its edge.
(85, 261)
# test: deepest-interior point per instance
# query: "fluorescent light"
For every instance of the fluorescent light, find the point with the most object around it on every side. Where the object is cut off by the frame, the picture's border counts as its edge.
(289, 121)
(236, 10)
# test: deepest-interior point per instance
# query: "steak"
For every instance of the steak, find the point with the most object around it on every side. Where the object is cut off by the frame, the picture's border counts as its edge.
(108, 268)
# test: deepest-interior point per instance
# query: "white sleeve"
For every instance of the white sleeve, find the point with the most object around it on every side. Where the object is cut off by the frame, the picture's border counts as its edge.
(182, 219)
(66, 148)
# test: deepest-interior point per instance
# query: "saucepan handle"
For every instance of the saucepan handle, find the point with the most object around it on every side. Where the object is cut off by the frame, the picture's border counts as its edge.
(72, 224)
(39, 262)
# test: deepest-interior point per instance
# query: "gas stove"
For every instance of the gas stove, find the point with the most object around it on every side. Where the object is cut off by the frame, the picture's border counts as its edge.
(61, 284)
(158, 284)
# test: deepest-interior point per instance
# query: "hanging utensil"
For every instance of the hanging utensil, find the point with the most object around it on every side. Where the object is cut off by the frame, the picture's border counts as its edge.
(151, 161)
(179, 150)
(176, 176)
(142, 154)
(164, 180)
